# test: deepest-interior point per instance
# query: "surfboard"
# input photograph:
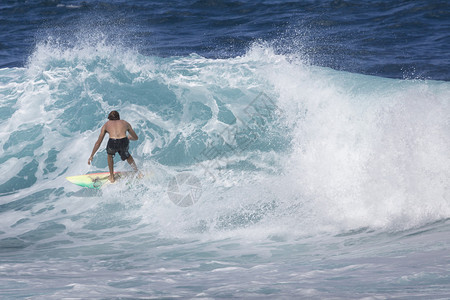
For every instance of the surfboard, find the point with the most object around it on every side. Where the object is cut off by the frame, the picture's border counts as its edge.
(97, 180)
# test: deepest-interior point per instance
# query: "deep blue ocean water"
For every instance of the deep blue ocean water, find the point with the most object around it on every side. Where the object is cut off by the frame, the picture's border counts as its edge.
(293, 150)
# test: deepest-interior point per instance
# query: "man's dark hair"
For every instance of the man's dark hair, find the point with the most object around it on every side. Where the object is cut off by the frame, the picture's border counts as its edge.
(114, 115)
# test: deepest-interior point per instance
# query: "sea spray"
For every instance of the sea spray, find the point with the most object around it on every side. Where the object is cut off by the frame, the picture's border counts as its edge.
(344, 150)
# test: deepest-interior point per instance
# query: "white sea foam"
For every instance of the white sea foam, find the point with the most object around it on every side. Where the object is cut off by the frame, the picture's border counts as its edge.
(340, 151)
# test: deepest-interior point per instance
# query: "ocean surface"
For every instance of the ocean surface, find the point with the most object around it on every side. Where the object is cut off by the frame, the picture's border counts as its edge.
(292, 150)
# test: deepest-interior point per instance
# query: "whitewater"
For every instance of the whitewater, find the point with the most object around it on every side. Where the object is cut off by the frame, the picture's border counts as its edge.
(271, 178)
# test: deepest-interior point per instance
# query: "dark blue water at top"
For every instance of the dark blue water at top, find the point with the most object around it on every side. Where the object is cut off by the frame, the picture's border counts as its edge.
(399, 39)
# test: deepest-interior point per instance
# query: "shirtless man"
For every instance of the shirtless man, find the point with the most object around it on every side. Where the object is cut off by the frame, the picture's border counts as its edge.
(118, 141)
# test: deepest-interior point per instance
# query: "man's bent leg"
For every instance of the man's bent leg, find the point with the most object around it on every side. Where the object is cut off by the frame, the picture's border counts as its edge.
(130, 160)
(111, 168)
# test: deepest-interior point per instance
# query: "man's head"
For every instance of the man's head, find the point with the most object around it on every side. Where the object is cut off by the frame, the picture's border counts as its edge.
(114, 115)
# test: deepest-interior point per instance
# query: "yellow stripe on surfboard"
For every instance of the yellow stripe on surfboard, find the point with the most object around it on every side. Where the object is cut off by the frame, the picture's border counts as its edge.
(96, 180)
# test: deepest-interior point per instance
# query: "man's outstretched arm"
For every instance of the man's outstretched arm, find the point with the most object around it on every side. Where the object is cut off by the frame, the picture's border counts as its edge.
(97, 144)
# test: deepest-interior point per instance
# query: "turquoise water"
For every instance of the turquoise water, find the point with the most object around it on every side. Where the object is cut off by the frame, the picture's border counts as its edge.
(275, 169)
(309, 182)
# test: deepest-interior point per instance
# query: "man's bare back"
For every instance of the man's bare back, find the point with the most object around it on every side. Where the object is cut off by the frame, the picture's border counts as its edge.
(117, 129)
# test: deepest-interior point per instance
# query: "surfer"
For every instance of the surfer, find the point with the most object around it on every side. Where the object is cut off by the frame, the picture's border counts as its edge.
(118, 142)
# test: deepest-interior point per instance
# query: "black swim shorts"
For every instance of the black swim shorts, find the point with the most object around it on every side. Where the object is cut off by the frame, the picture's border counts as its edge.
(118, 145)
